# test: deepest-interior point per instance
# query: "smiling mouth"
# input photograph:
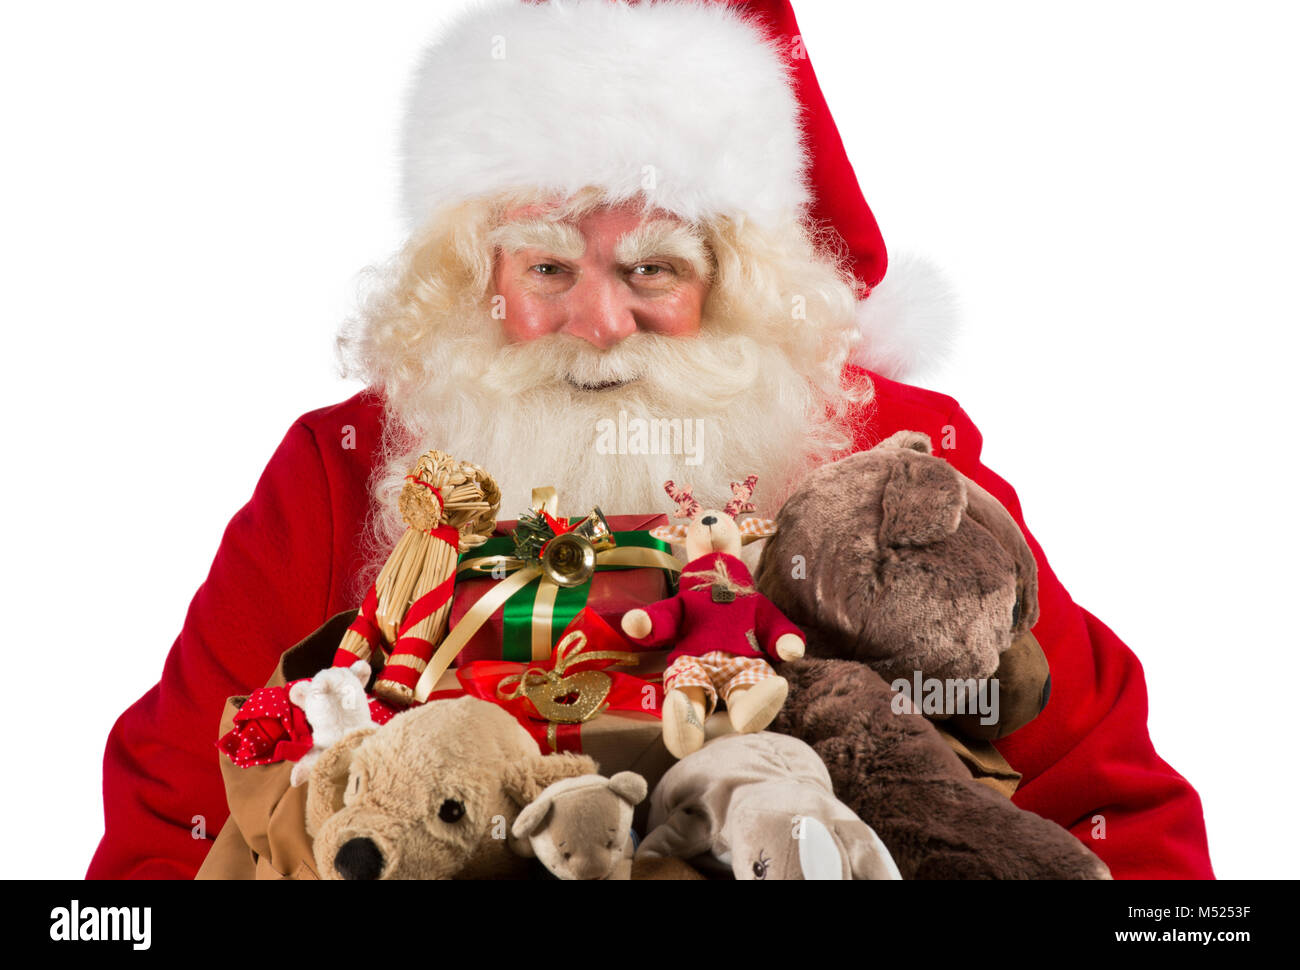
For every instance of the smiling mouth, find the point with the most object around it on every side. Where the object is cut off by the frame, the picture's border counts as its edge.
(602, 386)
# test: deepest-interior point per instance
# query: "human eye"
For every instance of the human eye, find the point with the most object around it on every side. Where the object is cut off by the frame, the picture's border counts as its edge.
(546, 269)
(653, 272)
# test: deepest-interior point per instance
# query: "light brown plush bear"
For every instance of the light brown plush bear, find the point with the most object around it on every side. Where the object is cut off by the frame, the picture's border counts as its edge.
(430, 795)
(581, 828)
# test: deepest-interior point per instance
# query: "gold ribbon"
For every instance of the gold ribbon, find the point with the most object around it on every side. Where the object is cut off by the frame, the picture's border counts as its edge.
(469, 624)
(545, 499)
(543, 617)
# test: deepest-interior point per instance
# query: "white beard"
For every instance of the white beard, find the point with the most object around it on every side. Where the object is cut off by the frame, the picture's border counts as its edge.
(523, 420)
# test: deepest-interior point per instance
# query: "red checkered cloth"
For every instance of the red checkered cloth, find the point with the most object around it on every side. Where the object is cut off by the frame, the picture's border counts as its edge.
(718, 672)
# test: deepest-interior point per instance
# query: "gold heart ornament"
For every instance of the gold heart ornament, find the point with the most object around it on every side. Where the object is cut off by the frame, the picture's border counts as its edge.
(569, 700)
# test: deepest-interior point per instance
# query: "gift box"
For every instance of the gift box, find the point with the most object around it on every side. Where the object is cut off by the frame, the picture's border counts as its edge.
(529, 624)
(619, 725)
(618, 740)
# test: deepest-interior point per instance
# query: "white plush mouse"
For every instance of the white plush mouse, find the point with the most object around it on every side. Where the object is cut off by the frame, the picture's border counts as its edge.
(335, 704)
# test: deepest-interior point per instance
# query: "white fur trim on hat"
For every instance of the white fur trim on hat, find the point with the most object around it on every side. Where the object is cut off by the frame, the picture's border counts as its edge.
(683, 101)
(909, 321)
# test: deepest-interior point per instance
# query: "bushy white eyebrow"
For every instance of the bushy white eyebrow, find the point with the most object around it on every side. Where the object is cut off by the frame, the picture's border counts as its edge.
(557, 238)
(658, 239)
(664, 239)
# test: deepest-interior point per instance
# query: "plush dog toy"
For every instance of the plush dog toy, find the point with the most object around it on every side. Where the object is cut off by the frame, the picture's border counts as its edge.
(902, 571)
(581, 828)
(722, 631)
(335, 704)
(430, 795)
(762, 805)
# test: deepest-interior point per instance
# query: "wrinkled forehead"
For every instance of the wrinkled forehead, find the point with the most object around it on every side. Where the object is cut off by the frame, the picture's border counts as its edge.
(630, 231)
(584, 205)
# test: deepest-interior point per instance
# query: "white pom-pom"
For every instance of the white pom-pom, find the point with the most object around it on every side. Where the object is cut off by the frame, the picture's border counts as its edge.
(908, 322)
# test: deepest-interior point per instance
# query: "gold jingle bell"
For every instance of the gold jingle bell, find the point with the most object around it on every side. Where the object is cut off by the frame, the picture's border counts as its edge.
(569, 560)
(595, 530)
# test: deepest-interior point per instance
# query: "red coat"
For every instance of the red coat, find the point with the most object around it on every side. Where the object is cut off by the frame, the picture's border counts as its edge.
(696, 625)
(288, 562)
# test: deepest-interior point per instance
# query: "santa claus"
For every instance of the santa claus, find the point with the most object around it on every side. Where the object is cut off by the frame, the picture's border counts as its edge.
(618, 213)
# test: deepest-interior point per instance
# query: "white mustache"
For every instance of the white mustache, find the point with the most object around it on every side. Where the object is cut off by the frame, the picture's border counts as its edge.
(686, 374)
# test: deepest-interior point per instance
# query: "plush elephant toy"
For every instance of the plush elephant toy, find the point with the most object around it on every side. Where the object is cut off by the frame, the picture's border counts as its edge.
(761, 804)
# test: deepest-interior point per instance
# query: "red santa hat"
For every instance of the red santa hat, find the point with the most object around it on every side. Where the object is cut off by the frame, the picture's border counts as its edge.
(706, 108)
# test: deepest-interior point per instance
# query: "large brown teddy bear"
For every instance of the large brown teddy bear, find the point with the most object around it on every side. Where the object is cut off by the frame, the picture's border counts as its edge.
(430, 795)
(893, 562)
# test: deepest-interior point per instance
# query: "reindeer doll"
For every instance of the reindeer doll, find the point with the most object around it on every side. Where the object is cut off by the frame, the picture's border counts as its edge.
(723, 632)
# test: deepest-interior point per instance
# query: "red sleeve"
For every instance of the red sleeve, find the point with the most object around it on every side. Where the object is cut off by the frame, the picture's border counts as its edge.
(267, 589)
(1087, 759)
(665, 621)
(771, 625)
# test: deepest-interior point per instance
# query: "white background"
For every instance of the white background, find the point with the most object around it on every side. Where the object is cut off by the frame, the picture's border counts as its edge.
(190, 189)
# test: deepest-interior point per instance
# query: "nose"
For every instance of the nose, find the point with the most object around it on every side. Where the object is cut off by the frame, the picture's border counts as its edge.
(600, 312)
(359, 858)
(709, 519)
(590, 866)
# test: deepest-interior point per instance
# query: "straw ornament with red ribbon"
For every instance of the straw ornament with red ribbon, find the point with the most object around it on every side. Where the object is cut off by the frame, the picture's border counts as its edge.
(447, 505)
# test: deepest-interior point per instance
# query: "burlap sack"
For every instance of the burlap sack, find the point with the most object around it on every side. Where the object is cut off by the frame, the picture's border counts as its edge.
(266, 835)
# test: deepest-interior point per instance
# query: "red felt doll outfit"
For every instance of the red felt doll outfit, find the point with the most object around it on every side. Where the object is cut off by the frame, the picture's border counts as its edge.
(695, 624)
(719, 646)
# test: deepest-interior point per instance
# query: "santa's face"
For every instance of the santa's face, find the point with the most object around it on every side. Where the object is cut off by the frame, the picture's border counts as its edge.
(601, 278)
(606, 349)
